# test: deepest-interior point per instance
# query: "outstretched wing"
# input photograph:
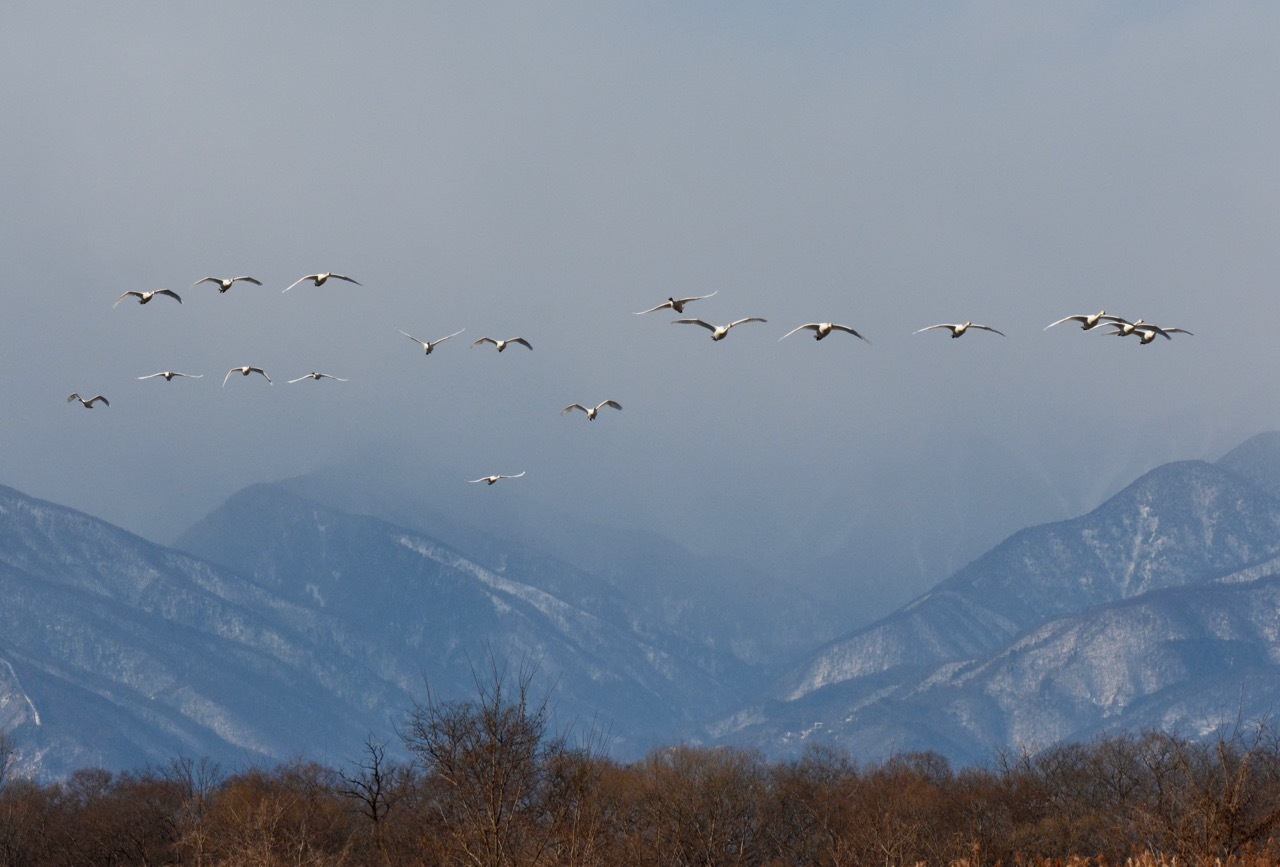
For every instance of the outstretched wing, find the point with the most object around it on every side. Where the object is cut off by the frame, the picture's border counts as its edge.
(848, 330)
(941, 325)
(573, 406)
(132, 292)
(521, 341)
(661, 306)
(696, 298)
(348, 279)
(812, 326)
(693, 322)
(484, 340)
(612, 403)
(748, 319)
(988, 328)
(299, 280)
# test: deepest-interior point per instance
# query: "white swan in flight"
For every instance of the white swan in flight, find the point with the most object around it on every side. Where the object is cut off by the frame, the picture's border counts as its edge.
(676, 304)
(245, 370)
(170, 374)
(87, 404)
(314, 375)
(502, 344)
(428, 345)
(718, 332)
(591, 410)
(492, 479)
(1088, 321)
(145, 297)
(319, 279)
(822, 329)
(225, 283)
(960, 329)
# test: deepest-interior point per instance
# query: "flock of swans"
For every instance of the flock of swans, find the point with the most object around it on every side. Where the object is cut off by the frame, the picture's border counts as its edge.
(1114, 325)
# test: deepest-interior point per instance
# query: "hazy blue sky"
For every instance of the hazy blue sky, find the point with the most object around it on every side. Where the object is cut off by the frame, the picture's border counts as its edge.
(546, 169)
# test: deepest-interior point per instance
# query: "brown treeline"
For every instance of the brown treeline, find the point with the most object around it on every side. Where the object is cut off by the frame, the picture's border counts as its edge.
(490, 785)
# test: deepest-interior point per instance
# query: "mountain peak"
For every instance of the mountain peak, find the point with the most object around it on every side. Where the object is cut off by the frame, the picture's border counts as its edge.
(1257, 460)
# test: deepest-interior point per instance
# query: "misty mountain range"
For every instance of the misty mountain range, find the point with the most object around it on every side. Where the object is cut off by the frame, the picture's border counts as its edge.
(301, 617)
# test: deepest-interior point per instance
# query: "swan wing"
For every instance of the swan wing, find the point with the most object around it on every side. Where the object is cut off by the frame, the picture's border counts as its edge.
(573, 406)
(812, 326)
(848, 330)
(484, 340)
(521, 341)
(940, 325)
(132, 292)
(693, 322)
(612, 403)
(988, 328)
(299, 280)
(655, 309)
(748, 319)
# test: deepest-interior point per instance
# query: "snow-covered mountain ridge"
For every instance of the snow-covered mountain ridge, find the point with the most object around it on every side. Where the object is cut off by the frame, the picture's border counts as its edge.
(1064, 630)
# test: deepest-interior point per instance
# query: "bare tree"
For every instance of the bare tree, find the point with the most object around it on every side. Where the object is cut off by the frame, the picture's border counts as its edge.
(488, 762)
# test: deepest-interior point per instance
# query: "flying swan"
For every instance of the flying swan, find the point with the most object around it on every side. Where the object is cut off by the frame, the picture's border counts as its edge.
(491, 479)
(591, 410)
(958, 330)
(822, 329)
(676, 304)
(145, 297)
(718, 332)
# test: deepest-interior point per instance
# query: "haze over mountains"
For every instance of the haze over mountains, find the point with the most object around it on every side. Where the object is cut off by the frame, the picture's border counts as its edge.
(301, 616)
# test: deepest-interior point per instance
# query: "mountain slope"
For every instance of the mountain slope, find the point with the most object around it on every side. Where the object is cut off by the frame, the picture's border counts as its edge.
(412, 607)
(120, 652)
(1157, 608)
(1180, 523)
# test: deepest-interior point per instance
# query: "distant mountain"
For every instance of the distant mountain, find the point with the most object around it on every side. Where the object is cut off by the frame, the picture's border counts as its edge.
(1017, 647)
(412, 608)
(316, 628)
(117, 652)
(767, 621)
(288, 626)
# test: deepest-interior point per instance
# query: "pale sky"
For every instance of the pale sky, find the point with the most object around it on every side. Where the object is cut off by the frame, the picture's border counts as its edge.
(547, 169)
